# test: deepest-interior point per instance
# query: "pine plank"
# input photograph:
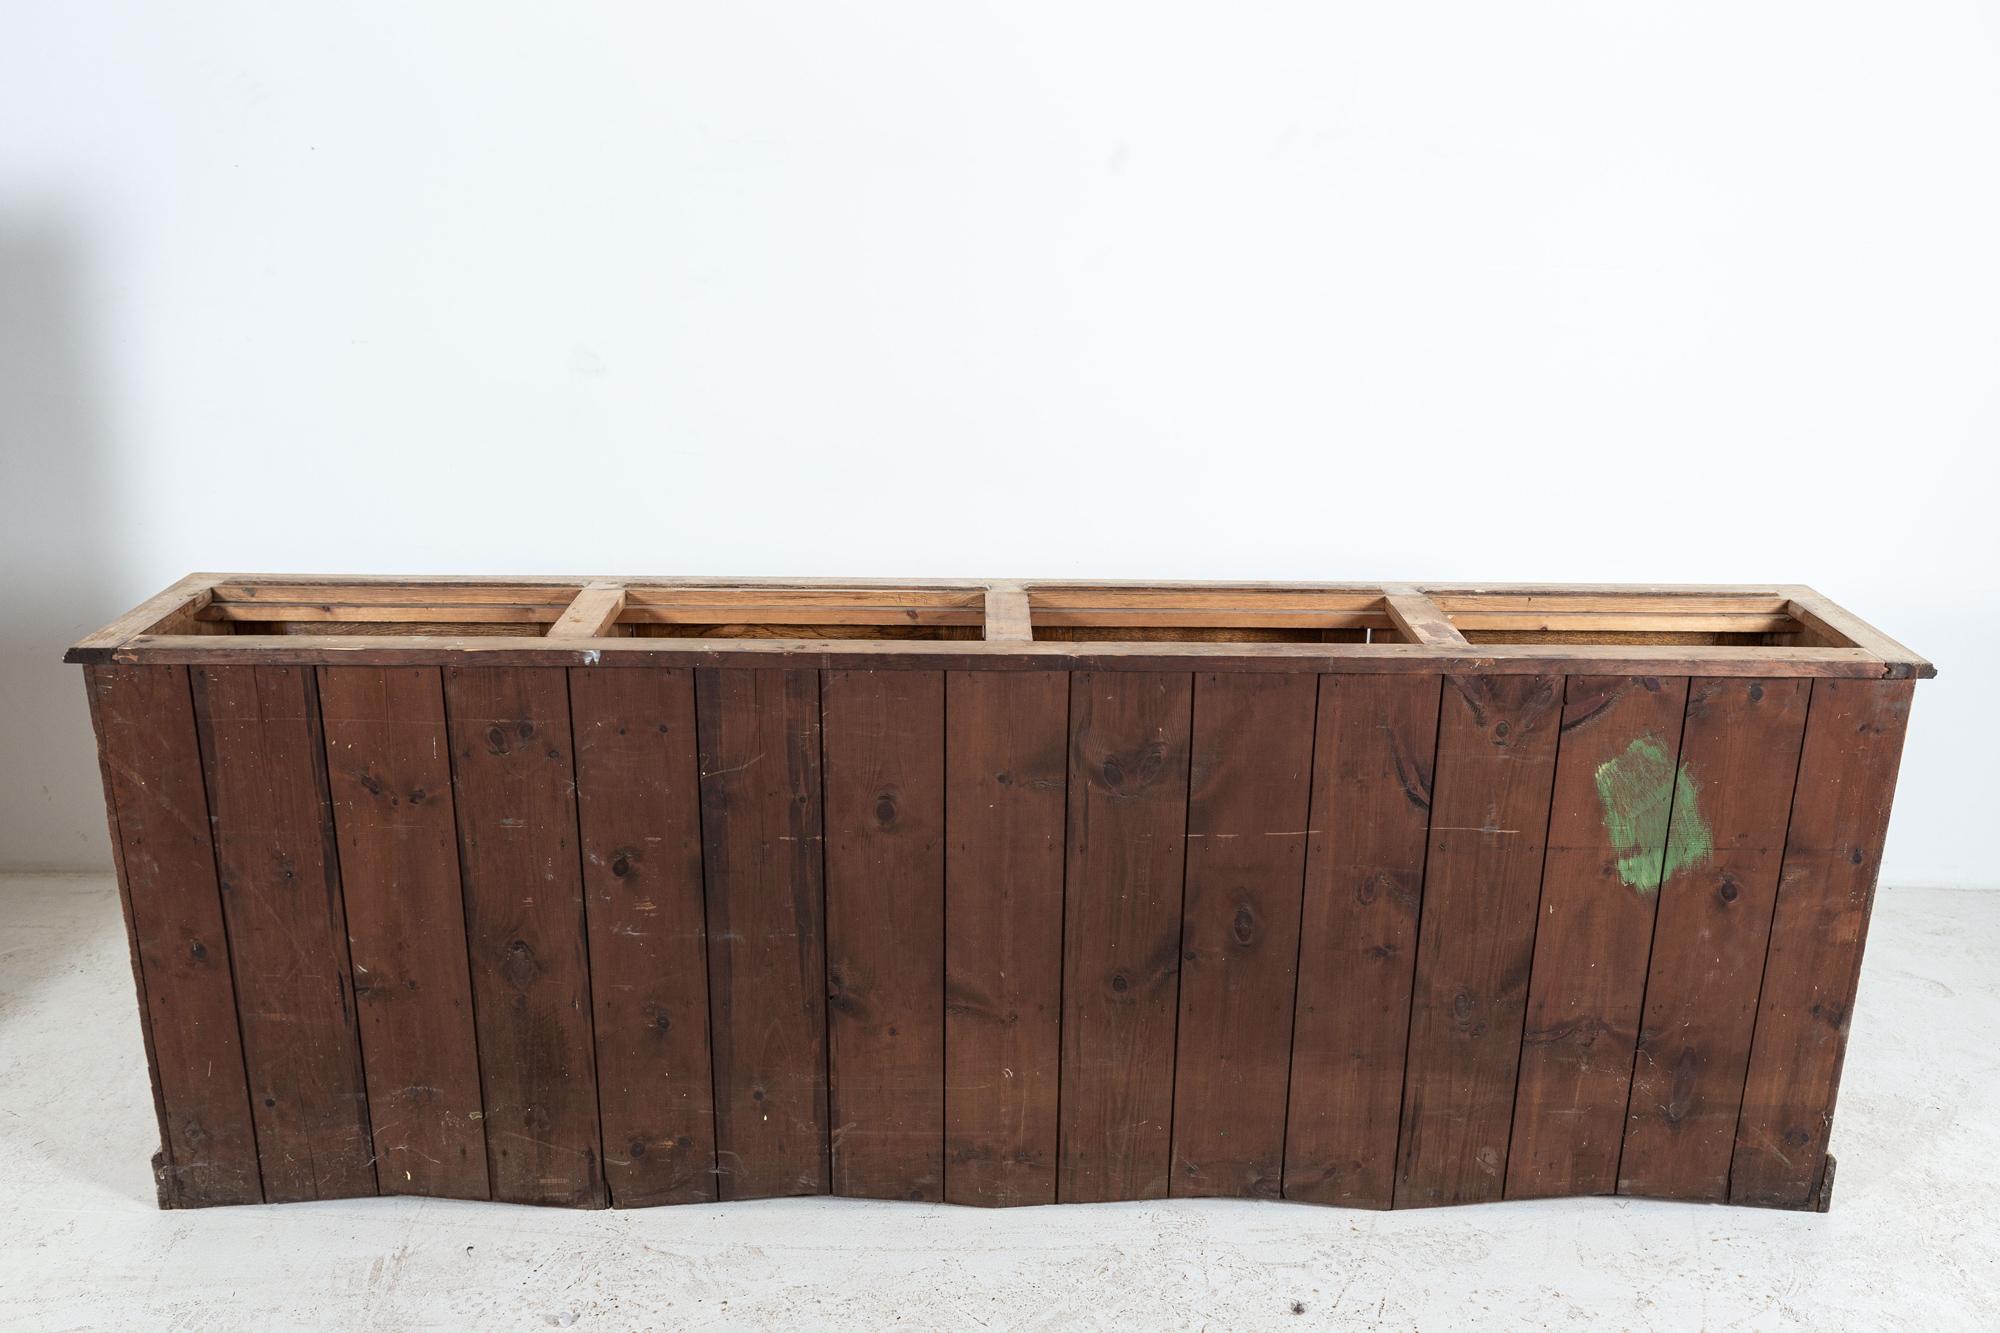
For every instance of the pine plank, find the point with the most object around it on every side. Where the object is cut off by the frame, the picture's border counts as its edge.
(1372, 765)
(883, 733)
(388, 765)
(515, 787)
(1128, 787)
(1007, 773)
(152, 763)
(639, 817)
(762, 859)
(1615, 786)
(1740, 750)
(1496, 755)
(269, 814)
(1840, 813)
(1249, 793)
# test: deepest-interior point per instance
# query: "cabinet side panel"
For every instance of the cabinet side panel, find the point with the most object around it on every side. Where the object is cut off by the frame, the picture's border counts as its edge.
(153, 766)
(1840, 812)
(1740, 754)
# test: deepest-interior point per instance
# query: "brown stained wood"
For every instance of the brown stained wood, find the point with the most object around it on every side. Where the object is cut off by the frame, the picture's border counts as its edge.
(1006, 755)
(1375, 745)
(1128, 787)
(884, 777)
(152, 763)
(1840, 812)
(638, 808)
(272, 824)
(1489, 817)
(515, 785)
(177, 606)
(464, 645)
(1025, 1004)
(388, 766)
(762, 859)
(1594, 934)
(1837, 625)
(105, 775)
(1740, 751)
(592, 614)
(1249, 789)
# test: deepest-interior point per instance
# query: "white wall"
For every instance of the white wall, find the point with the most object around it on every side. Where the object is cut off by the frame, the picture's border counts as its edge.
(1289, 290)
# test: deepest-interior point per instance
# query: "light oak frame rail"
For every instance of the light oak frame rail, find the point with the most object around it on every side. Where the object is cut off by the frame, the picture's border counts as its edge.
(1001, 625)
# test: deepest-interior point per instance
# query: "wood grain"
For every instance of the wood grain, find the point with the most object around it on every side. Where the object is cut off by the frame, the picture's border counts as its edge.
(1128, 788)
(388, 763)
(639, 817)
(1249, 793)
(1740, 749)
(152, 763)
(1373, 757)
(1593, 938)
(1006, 755)
(1840, 812)
(884, 750)
(269, 814)
(515, 784)
(1489, 819)
(762, 859)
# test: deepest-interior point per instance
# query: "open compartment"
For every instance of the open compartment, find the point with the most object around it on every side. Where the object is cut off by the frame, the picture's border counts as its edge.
(1210, 615)
(1630, 618)
(400, 609)
(769, 612)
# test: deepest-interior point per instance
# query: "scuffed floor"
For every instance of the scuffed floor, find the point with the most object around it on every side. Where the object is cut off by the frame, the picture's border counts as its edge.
(1911, 1241)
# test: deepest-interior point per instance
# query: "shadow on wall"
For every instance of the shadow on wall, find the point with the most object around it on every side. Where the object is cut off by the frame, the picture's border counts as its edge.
(59, 489)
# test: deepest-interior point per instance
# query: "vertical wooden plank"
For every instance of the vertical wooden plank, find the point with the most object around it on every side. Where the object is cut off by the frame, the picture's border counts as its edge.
(516, 801)
(1496, 756)
(762, 859)
(1840, 812)
(273, 831)
(1609, 839)
(638, 806)
(1007, 771)
(884, 750)
(389, 773)
(1249, 789)
(152, 765)
(1740, 755)
(104, 772)
(1371, 804)
(1121, 944)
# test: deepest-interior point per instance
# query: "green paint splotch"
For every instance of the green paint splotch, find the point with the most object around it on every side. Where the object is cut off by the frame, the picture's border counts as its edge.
(1652, 814)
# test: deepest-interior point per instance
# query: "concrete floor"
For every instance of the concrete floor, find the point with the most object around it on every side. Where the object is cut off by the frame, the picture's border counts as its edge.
(1913, 1240)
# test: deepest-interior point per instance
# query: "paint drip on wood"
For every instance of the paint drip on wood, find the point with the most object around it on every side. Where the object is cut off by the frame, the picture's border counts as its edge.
(1653, 814)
